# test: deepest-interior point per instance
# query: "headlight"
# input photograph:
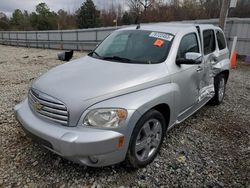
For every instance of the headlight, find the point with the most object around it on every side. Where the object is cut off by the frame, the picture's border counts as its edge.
(105, 117)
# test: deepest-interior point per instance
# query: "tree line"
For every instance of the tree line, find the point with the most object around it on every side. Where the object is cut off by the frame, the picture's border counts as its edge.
(137, 11)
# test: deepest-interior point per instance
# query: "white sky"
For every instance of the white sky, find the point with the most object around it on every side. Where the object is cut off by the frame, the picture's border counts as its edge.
(8, 6)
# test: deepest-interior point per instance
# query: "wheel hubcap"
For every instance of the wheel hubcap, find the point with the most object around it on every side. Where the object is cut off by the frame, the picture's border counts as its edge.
(221, 89)
(148, 139)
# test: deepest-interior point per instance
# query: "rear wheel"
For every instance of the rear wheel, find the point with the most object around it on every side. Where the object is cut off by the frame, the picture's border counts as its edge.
(146, 139)
(220, 87)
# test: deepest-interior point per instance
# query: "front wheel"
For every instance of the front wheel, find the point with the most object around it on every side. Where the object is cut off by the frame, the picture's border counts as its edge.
(220, 88)
(146, 139)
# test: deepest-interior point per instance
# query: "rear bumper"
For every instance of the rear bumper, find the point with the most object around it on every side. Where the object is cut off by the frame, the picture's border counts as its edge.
(92, 147)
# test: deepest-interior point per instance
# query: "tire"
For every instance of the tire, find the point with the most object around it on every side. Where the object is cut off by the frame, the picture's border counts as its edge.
(146, 139)
(220, 88)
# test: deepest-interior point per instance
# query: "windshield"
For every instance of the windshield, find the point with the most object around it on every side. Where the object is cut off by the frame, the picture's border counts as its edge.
(134, 46)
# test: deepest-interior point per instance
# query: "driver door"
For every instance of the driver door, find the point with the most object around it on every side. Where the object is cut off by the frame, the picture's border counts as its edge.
(188, 77)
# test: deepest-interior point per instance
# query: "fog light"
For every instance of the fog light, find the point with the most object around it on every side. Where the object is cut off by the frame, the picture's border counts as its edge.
(93, 159)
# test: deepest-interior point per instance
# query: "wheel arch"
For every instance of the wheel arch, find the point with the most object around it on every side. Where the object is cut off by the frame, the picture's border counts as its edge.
(164, 109)
(160, 98)
(226, 73)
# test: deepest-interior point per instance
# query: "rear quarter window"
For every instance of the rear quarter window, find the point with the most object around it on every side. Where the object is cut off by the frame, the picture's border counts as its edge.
(221, 40)
(209, 41)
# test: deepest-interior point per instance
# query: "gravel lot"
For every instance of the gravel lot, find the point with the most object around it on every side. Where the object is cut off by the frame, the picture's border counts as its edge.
(210, 149)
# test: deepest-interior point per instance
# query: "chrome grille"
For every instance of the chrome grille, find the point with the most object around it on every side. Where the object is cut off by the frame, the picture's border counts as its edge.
(48, 107)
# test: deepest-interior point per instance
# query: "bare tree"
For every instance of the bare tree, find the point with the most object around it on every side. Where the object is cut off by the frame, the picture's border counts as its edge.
(139, 6)
(175, 3)
(211, 8)
(146, 4)
(135, 9)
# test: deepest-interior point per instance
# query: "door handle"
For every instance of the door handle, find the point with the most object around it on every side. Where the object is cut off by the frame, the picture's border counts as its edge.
(199, 69)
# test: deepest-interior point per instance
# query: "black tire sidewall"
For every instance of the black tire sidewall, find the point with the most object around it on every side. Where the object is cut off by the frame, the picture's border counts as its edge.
(152, 114)
(217, 85)
(216, 100)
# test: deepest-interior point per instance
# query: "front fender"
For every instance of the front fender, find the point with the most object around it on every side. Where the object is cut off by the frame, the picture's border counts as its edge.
(144, 100)
(137, 103)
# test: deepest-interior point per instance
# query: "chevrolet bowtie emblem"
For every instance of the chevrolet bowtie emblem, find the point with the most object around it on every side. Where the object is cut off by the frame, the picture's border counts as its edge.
(37, 106)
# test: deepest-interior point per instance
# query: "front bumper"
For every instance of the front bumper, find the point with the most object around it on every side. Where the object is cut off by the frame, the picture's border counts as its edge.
(91, 147)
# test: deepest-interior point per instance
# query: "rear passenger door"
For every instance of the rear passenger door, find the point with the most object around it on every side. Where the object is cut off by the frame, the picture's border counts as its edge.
(209, 50)
(222, 52)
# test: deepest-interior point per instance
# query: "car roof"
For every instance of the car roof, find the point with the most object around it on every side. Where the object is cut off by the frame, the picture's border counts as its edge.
(172, 27)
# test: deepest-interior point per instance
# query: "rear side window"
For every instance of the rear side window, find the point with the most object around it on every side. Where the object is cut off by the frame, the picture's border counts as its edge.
(189, 43)
(221, 40)
(209, 41)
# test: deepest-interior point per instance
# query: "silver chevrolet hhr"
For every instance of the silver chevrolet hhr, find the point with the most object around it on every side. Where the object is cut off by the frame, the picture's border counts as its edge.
(118, 102)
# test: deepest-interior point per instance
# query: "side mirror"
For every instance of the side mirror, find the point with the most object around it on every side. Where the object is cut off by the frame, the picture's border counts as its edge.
(65, 56)
(191, 58)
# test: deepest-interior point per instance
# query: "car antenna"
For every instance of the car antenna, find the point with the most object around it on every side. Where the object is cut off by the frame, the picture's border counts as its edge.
(138, 26)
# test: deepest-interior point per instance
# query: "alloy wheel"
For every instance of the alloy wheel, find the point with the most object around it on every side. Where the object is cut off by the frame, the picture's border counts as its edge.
(148, 139)
(221, 89)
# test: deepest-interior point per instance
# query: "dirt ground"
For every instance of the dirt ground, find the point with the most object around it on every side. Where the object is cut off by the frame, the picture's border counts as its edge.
(209, 149)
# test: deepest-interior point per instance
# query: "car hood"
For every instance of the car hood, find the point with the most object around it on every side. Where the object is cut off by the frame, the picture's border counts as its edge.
(87, 80)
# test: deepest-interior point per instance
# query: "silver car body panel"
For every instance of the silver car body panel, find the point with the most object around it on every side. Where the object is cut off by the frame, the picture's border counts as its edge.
(89, 83)
(74, 82)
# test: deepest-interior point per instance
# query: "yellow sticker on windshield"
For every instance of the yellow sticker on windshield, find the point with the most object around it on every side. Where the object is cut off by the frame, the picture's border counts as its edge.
(159, 43)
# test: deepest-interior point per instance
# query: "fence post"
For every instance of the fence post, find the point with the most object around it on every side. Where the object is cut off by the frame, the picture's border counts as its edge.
(61, 40)
(2, 38)
(230, 37)
(43, 44)
(48, 41)
(96, 36)
(77, 40)
(9, 39)
(36, 40)
(17, 39)
(26, 40)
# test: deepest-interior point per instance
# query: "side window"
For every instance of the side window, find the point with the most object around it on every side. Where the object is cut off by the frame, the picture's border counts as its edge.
(189, 43)
(221, 40)
(209, 41)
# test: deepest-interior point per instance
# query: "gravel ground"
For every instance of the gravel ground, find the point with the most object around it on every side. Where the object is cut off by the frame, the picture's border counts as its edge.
(209, 149)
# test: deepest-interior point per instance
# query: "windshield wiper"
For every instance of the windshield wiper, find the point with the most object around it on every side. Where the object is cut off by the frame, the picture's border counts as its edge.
(116, 58)
(94, 52)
